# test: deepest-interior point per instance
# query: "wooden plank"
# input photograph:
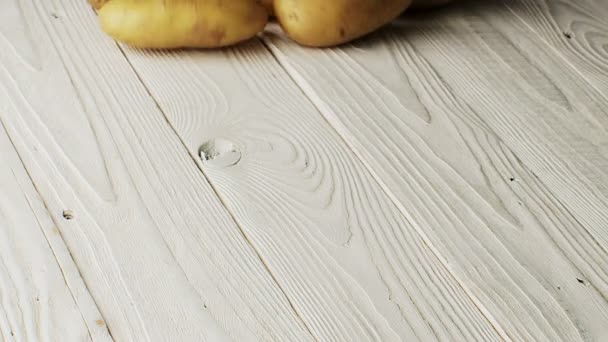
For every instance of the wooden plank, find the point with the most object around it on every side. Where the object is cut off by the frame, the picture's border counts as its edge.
(420, 103)
(577, 30)
(160, 254)
(43, 296)
(352, 265)
(559, 105)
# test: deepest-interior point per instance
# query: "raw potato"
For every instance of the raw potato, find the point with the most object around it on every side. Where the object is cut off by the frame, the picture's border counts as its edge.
(168, 24)
(97, 4)
(429, 3)
(269, 5)
(323, 23)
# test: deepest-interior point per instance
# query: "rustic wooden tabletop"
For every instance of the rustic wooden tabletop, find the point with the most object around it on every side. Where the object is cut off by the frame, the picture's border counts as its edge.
(445, 178)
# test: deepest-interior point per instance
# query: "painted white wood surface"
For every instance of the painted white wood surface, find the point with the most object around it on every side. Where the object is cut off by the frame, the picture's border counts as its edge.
(435, 106)
(352, 265)
(42, 297)
(559, 105)
(449, 185)
(161, 256)
(576, 30)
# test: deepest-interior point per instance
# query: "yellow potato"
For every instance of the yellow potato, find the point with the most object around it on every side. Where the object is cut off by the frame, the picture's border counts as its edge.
(269, 5)
(331, 22)
(429, 3)
(97, 4)
(167, 24)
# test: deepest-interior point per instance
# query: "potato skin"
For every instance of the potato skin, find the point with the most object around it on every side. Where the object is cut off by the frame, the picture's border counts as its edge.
(322, 23)
(169, 24)
(420, 4)
(269, 4)
(97, 4)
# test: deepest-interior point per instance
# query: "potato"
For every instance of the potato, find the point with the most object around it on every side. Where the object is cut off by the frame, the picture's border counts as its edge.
(429, 3)
(167, 24)
(323, 23)
(269, 5)
(97, 4)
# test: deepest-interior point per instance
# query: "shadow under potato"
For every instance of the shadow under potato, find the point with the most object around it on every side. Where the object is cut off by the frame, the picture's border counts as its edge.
(412, 22)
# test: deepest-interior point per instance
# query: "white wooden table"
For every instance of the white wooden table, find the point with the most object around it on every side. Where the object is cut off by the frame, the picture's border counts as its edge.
(443, 179)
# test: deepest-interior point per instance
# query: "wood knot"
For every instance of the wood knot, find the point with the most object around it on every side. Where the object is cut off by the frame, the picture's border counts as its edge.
(219, 152)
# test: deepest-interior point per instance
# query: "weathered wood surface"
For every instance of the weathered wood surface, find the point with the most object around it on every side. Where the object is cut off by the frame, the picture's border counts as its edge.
(161, 256)
(558, 106)
(43, 297)
(353, 266)
(493, 147)
(443, 179)
(575, 30)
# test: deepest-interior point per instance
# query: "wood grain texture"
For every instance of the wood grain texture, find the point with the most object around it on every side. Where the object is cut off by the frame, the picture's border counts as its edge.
(556, 105)
(576, 30)
(352, 265)
(162, 257)
(436, 106)
(42, 295)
